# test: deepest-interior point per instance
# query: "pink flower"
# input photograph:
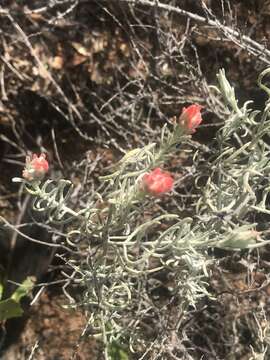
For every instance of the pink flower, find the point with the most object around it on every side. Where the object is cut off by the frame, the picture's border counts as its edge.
(157, 182)
(190, 118)
(35, 167)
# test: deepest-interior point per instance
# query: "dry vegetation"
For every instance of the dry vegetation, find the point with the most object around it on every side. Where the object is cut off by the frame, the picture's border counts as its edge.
(86, 80)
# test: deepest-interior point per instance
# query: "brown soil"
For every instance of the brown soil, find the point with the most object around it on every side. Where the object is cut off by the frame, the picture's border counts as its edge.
(51, 332)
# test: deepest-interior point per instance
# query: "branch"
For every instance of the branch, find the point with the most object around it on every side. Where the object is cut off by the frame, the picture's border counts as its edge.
(235, 36)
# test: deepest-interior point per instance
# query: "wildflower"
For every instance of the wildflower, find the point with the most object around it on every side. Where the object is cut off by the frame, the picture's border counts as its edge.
(157, 182)
(35, 167)
(190, 118)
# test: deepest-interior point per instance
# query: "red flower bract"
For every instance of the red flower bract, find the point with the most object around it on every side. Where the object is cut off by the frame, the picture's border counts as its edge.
(157, 182)
(35, 167)
(190, 118)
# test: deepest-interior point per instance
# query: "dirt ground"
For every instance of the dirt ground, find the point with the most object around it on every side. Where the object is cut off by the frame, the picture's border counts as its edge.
(60, 68)
(50, 332)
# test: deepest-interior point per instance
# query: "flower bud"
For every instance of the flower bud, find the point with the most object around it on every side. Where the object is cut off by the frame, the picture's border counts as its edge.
(190, 118)
(226, 89)
(157, 182)
(35, 167)
(240, 239)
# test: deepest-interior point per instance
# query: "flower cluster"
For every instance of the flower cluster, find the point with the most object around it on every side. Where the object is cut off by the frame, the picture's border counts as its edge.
(35, 167)
(156, 183)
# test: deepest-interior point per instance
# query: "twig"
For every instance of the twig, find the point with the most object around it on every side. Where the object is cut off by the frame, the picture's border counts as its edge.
(33, 350)
(30, 238)
(242, 41)
(72, 108)
(15, 234)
